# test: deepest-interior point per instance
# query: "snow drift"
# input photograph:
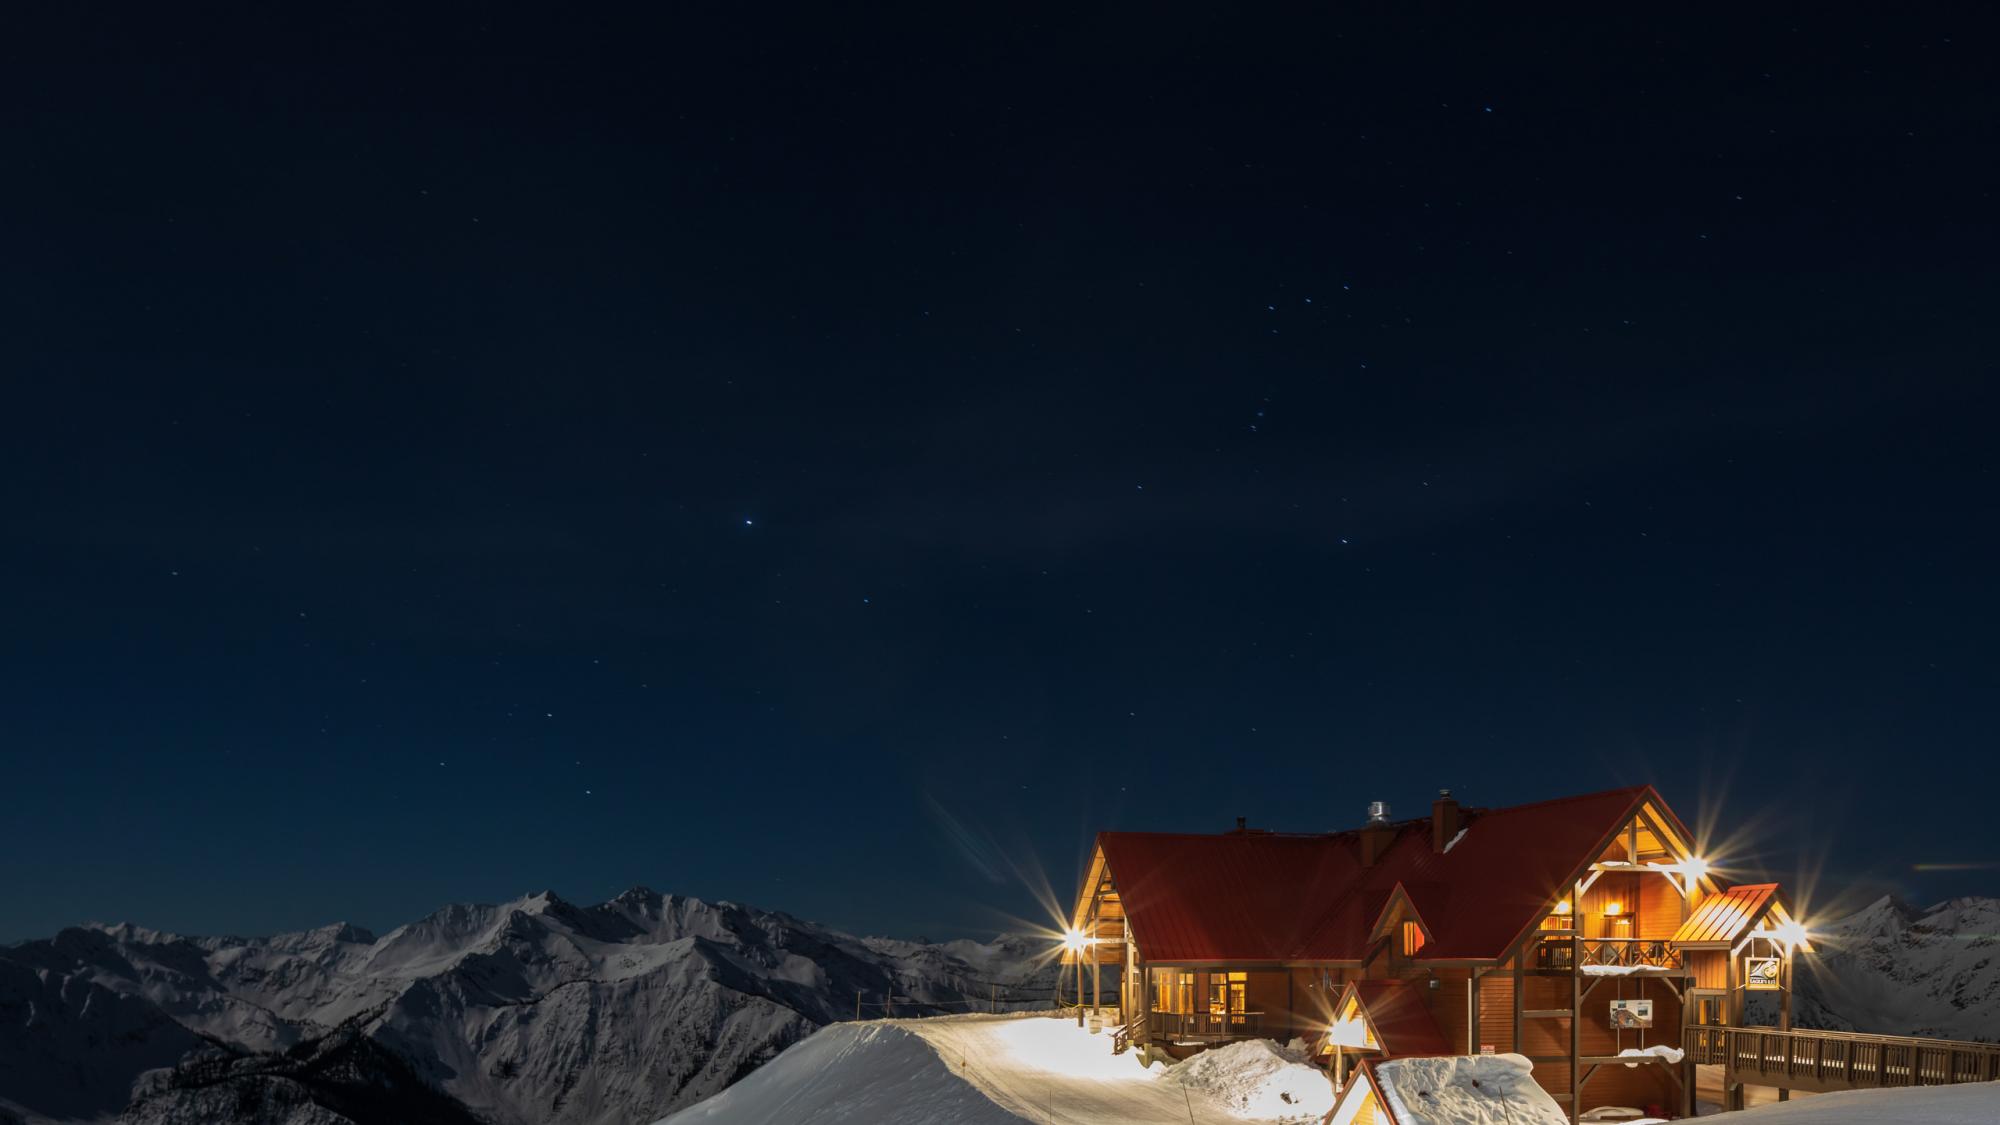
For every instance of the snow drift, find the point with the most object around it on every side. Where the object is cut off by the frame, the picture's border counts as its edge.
(1259, 1080)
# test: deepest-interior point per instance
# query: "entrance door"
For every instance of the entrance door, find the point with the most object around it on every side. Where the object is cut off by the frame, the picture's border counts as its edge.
(1708, 1008)
(1228, 1000)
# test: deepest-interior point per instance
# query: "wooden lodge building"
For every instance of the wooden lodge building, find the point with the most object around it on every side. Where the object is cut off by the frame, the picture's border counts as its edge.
(1570, 931)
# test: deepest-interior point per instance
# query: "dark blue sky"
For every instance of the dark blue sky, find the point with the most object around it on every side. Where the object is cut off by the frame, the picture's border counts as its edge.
(838, 466)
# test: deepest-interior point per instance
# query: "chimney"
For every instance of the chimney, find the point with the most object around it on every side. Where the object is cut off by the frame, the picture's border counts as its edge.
(1243, 824)
(1445, 820)
(1376, 834)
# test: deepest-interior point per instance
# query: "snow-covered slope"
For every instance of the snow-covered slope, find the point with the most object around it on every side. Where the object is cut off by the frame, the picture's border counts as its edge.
(1970, 1104)
(1001, 1070)
(1896, 970)
(531, 1011)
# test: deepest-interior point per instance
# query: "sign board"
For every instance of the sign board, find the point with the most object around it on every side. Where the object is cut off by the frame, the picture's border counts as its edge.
(1486, 1048)
(1762, 974)
(1631, 1013)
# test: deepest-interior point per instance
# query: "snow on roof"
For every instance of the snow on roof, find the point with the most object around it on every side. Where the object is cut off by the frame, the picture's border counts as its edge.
(1465, 1090)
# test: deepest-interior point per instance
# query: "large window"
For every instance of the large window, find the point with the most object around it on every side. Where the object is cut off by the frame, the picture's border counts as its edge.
(1173, 990)
(1413, 939)
(1229, 996)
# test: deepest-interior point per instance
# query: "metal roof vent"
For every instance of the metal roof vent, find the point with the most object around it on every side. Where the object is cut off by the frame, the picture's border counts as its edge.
(1378, 812)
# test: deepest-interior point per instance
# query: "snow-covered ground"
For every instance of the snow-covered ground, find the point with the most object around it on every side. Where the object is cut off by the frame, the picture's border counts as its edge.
(1002, 1070)
(1975, 1103)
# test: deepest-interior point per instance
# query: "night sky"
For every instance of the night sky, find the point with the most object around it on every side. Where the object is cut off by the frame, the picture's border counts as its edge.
(838, 463)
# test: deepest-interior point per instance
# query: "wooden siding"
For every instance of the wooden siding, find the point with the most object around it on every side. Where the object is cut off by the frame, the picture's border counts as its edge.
(1496, 1012)
(1661, 908)
(1711, 967)
(1642, 1086)
(1447, 1003)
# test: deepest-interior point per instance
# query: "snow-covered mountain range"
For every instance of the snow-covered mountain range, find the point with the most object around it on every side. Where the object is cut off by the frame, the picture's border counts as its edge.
(1897, 970)
(532, 1011)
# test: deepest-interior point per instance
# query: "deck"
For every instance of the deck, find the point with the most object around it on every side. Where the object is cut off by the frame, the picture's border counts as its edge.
(1822, 1061)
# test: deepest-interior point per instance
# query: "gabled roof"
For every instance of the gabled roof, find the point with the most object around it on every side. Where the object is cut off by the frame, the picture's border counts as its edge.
(1362, 1086)
(1721, 919)
(1255, 896)
(1395, 1010)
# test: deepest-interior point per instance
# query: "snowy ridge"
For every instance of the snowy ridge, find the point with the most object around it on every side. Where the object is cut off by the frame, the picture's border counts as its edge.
(536, 1010)
(1005, 1070)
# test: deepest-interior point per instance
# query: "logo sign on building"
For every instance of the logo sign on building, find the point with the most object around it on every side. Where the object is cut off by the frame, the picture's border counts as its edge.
(1631, 1013)
(1761, 974)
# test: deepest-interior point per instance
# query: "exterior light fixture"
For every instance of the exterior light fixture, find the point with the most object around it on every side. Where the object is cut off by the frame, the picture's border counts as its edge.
(1074, 941)
(1793, 934)
(1613, 909)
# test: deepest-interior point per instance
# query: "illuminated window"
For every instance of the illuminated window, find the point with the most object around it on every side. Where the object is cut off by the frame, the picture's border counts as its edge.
(1229, 995)
(1413, 939)
(1173, 991)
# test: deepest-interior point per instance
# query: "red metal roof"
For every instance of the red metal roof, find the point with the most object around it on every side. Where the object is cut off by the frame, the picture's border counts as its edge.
(1248, 897)
(1721, 918)
(1403, 1026)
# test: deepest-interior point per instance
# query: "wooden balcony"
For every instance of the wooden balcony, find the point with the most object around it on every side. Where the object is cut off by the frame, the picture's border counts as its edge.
(1838, 1060)
(1638, 956)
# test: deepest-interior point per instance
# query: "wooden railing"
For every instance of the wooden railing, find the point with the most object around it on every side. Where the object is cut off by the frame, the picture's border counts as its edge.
(1121, 1040)
(1840, 1060)
(1205, 1026)
(1631, 953)
(1561, 950)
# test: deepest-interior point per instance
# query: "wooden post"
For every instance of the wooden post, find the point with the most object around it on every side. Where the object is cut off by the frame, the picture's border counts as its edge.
(1472, 1014)
(1096, 960)
(1785, 1022)
(1079, 988)
(1575, 1025)
(1520, 978)
(1732, 1014)
(857, 1003)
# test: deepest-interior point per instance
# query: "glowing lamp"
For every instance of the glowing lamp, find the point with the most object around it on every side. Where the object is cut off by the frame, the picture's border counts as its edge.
(1695, 866)
(1563, 907)
(1074, 941)
(1613, 909)
(1793, 934)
